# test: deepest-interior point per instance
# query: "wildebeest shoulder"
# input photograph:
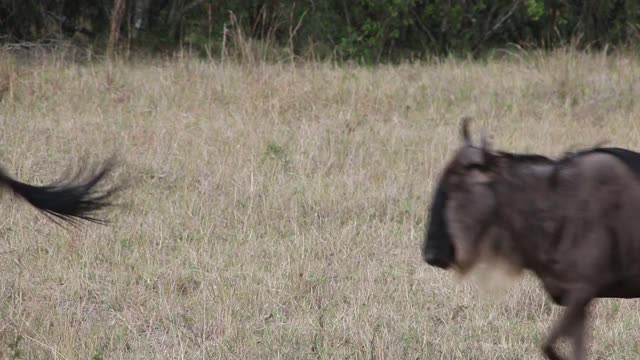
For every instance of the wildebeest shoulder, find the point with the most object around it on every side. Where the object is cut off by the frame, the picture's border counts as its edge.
(630, 158)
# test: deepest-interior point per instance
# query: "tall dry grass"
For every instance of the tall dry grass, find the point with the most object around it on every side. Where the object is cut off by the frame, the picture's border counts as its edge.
(278, 210)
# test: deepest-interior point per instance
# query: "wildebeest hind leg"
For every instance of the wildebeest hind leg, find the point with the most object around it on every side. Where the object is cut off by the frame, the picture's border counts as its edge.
(571, 324)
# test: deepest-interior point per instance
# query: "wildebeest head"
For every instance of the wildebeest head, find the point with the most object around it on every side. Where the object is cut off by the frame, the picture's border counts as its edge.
(463, 206)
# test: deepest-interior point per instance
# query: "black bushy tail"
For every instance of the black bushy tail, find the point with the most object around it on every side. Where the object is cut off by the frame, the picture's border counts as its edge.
(71, 200)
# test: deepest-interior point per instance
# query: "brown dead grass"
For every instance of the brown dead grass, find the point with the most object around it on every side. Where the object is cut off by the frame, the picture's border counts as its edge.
(278, 209)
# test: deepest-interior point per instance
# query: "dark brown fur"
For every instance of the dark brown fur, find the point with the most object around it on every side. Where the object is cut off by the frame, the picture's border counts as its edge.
(572, 222)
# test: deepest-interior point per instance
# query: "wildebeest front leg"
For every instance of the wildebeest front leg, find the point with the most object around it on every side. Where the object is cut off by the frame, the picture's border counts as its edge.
(572, 325)
(579, 334)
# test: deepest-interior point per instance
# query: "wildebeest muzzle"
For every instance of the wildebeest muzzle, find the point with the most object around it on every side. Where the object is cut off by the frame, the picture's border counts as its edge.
(437, 249)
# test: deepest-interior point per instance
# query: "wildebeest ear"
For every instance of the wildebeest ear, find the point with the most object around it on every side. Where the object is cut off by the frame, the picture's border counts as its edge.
(464, 130)
(481, 177)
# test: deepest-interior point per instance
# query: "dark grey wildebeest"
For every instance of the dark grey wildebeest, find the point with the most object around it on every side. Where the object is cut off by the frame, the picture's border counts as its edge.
(573, 222)
(72, 200)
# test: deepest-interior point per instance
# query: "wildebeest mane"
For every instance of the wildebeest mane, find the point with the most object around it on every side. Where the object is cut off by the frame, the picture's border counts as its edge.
(529, 158)
(630, 158)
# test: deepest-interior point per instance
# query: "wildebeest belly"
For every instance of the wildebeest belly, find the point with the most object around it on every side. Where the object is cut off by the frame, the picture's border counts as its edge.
(622, 287)
(627, 287)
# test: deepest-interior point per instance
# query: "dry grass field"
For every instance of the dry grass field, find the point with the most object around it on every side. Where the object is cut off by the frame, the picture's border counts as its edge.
(277, 211)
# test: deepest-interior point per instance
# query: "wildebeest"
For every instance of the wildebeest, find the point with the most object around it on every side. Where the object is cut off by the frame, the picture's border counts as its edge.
(72, 200)
(572, 221)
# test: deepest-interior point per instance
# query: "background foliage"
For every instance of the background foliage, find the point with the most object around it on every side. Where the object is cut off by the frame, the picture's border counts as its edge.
(364, 30)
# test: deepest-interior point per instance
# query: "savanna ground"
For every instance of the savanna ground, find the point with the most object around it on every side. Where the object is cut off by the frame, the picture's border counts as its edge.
(277, 211)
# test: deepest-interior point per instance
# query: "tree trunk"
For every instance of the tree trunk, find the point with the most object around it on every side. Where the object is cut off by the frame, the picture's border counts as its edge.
(116, 20)
(140, 17)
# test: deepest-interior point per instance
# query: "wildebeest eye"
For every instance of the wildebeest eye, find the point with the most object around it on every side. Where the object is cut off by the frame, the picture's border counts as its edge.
(475, 166)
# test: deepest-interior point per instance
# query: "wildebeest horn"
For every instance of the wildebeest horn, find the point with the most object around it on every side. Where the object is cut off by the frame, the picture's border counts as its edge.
(465, 130)
(485, 144)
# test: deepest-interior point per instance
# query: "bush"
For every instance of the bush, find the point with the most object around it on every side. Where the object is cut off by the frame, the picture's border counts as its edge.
(363, 30)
